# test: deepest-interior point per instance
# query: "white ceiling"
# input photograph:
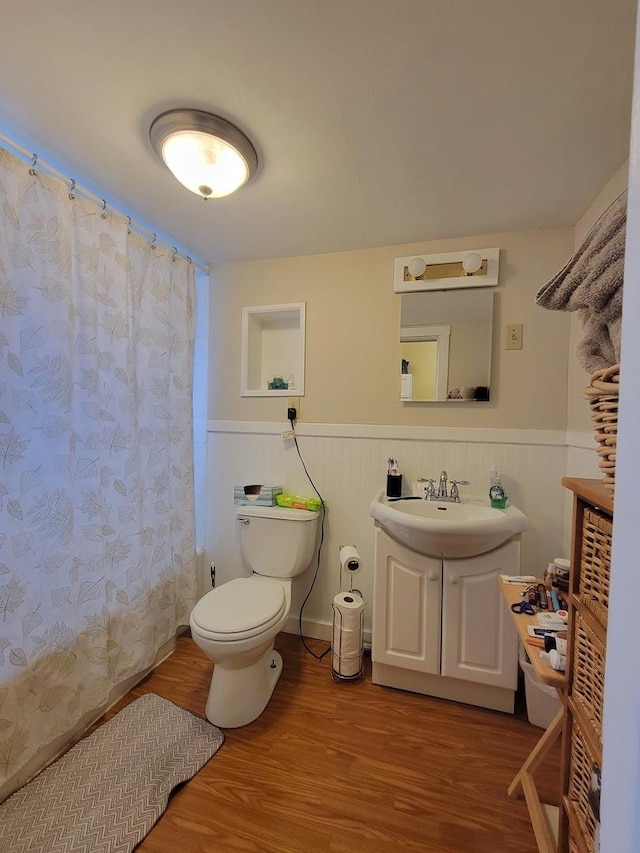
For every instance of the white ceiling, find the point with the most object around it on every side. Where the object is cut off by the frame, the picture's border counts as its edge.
(376, 121)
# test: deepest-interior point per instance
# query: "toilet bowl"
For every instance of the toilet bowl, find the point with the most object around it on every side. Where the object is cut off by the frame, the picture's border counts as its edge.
(235, 624)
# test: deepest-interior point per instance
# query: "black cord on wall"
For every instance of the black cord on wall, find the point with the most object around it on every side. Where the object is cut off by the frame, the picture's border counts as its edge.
(315, 574)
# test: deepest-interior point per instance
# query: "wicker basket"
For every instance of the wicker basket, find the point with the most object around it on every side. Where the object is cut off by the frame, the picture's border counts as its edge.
(603, 400)
(578, 804)
(587, 687)
(595, 563)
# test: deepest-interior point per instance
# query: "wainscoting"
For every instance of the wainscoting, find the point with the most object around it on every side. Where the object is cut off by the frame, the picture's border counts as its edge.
(348, 465)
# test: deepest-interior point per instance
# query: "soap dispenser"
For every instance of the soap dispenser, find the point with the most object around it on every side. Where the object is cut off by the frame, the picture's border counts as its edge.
(497, 496)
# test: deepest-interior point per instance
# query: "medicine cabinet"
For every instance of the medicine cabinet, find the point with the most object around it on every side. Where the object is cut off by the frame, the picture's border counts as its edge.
(273, 350)
(445, 345)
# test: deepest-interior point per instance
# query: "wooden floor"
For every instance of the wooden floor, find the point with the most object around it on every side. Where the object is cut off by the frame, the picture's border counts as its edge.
(346, 768)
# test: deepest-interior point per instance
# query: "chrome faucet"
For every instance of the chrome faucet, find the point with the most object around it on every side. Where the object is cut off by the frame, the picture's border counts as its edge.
(431, 493)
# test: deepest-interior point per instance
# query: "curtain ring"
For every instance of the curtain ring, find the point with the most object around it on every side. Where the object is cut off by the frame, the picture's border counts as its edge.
(33, 170)
(189, 259)
(175, 253)
(103, 215)
(72, 187)
(128, 225)
(153, 242)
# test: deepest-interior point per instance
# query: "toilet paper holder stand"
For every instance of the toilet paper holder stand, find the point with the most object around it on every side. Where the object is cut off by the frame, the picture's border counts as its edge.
(350, 563)
(351, 566)
(338, 655)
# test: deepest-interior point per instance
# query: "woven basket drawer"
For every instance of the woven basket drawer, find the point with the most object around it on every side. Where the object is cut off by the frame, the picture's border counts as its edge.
(581, 766)
(573, 847)
(587, 678)
(595, 563)
(603, 400)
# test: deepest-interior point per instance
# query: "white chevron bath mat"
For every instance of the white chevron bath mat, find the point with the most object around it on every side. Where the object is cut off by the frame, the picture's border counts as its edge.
(106, 792)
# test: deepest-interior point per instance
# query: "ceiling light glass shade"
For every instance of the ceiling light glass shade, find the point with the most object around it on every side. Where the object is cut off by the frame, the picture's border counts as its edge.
(206, 153)
(471, 263)
(417, 266)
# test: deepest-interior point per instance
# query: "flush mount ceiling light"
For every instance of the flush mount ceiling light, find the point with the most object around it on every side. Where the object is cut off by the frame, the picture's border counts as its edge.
(206, 153)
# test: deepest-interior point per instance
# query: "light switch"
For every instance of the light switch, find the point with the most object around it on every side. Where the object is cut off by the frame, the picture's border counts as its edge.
(514, 336)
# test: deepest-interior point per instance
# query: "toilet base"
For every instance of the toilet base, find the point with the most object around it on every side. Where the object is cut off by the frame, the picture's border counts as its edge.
(238, 696)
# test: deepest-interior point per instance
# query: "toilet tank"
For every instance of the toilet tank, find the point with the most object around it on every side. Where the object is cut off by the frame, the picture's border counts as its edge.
(276, 541)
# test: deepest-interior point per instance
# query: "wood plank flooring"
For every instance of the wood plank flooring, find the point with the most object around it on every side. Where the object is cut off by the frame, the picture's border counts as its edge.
(346, 768)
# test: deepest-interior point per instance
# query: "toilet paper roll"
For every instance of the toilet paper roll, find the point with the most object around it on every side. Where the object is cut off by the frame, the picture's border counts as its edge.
(346, 642)
(350, 560)
(348, 603)
(346, 667)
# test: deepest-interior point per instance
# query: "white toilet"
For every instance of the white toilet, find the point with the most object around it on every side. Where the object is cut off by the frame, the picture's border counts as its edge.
(236, 623)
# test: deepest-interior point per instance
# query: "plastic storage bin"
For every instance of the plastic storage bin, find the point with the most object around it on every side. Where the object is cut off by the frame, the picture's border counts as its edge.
(543, 702)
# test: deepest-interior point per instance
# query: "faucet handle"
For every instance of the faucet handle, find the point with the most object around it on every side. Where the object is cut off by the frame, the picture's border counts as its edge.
(430, 488)
(454, 494)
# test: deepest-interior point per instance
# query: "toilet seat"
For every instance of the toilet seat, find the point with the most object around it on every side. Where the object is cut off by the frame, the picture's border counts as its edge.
(239, 609)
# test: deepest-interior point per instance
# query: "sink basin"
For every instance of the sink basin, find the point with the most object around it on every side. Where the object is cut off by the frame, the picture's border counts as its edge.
(445, 529)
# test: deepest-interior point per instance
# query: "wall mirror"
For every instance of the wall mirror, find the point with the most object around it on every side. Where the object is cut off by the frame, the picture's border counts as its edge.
(445, 345)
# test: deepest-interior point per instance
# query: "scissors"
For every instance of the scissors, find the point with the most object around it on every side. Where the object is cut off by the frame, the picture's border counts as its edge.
(523, 607)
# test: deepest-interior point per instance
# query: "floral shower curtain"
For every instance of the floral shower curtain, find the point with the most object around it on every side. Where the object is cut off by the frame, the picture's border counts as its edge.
(97, 544)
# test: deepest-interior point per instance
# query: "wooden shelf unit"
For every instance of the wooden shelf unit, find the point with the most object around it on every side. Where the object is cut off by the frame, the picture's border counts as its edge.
(586, 652)
(544, 818)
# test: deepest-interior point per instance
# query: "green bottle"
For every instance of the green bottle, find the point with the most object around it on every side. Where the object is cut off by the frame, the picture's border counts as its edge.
(497, 496)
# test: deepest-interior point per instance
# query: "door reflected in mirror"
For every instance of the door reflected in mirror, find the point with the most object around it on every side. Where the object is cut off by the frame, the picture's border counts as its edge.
(445, 345)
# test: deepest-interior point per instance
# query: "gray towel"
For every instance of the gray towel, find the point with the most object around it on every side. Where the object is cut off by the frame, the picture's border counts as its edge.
(591, 283)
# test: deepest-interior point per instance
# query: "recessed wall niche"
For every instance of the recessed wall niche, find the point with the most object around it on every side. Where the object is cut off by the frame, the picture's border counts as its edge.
(273, 350)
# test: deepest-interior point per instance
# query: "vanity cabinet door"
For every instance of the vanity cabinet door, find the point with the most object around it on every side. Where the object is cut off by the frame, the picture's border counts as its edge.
(406, 607)
(479, 640)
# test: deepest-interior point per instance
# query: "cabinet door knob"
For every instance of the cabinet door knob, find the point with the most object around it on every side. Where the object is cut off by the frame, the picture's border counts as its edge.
(453, 581)
(434, 576)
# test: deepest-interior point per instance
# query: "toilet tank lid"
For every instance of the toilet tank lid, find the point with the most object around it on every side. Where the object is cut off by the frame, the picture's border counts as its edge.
(281, 512)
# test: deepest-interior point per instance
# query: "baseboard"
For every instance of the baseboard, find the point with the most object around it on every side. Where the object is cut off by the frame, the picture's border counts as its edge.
(317, 630)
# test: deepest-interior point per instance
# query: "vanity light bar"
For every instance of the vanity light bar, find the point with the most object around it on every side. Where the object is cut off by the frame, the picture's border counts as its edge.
(446, 271)
(439, 271)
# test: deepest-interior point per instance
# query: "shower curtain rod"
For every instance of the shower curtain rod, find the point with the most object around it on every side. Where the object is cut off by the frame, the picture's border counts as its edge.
(36, 164)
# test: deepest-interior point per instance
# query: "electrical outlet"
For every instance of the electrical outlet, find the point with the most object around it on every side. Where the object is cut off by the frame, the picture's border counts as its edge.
(513, 338)
(294, 403)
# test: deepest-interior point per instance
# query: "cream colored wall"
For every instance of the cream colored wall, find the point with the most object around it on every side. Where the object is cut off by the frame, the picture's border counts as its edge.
(352, 340)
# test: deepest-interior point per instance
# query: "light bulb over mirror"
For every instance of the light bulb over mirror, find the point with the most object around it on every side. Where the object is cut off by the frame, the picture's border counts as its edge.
(416, 266)
(471, 263)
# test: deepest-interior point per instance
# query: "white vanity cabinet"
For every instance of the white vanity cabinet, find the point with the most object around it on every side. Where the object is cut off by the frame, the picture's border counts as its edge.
(440, 627)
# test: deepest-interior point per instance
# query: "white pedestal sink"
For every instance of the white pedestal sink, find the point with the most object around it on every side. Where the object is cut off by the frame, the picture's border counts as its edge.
(446, 529)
